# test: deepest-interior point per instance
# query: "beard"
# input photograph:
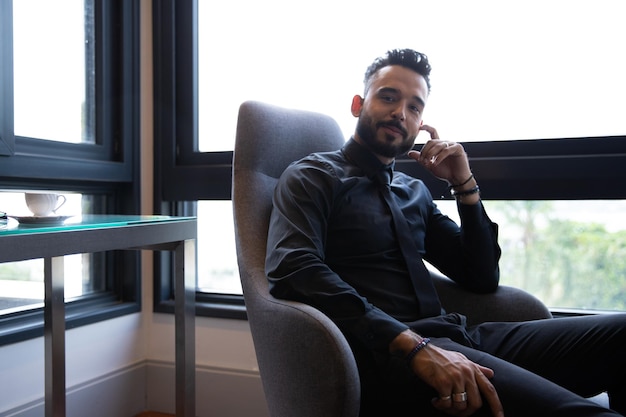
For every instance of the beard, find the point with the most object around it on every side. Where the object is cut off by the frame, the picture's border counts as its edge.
(367, 131)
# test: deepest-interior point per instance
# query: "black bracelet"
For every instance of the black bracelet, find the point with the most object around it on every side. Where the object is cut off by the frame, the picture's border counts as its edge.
(471, 191)
(450, 187)
(421, 345)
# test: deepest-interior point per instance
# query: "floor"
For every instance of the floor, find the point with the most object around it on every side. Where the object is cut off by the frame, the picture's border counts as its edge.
(153, 414)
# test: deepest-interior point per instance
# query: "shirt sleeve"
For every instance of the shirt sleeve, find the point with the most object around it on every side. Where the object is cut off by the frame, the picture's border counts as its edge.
(295, 257)
(468, 254)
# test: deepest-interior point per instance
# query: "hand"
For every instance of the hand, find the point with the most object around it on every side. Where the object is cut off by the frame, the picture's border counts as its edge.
(446, 160)
(452, 373)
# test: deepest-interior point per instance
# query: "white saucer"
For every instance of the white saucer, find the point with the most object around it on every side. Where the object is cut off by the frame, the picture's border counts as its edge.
(41, 220)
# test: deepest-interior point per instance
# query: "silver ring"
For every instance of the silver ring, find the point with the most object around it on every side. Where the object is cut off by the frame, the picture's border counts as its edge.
(447, 144)
(461, 397)
(446, 398)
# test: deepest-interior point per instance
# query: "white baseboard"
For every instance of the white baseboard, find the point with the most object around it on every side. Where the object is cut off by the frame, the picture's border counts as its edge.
(120, 393)
(220, 392)
(149, 385)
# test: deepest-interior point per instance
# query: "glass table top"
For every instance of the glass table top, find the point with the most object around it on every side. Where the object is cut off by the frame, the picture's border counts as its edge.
(31, 224)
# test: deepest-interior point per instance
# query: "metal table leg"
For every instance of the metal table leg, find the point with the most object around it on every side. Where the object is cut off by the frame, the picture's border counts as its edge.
(54, 337)
(185, 293)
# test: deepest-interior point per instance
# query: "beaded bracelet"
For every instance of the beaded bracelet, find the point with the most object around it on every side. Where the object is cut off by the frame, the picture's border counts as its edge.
(421, 345)
(471, 191)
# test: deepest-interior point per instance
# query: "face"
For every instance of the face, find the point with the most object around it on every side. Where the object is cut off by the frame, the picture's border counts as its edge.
(390, 115)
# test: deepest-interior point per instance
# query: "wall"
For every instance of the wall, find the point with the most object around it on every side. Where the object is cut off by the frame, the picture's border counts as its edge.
(119, 367)
(226, 367)
(123, 366)
(93, 351)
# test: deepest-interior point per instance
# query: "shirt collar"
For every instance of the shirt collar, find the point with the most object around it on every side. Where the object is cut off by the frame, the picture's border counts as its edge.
(362, 157)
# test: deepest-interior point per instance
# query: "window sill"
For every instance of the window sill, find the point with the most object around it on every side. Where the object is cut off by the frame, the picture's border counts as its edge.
(575, 312)
(22, 326)
(222, 306)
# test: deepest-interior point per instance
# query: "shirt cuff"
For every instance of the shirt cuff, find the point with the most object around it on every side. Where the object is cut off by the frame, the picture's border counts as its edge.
(377, 329)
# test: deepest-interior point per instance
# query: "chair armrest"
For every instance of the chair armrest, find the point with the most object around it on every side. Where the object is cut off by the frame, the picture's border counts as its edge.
(306, 365)
(505, 304)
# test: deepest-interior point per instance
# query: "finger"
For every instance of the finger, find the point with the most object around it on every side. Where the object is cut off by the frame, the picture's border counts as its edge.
(414, 155)
(443, 402)
(429, 153)
(488, 372)
(460, 399)
(421, 158)
(431, 130)
(437, 152)
(474, 399)
(489, 394)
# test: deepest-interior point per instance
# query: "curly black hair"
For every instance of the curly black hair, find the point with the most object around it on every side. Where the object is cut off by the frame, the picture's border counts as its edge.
(408, 58)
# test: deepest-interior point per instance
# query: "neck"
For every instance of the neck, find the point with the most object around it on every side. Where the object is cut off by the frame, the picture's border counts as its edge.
(384, 159)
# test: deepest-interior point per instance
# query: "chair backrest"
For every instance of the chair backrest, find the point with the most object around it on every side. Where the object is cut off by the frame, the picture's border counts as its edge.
(306, 365)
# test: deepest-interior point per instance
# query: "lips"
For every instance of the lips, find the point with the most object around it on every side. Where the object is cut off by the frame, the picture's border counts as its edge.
(393, 128)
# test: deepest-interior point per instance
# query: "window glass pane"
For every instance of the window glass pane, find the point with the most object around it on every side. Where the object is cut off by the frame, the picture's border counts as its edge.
(570, 254)
(54, 69)
(21, 283)
(501, 70)
(217, 258)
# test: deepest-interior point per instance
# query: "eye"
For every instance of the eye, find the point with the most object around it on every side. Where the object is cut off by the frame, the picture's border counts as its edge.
(415, 109)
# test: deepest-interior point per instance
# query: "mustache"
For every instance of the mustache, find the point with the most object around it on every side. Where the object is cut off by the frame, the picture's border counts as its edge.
(395, 124)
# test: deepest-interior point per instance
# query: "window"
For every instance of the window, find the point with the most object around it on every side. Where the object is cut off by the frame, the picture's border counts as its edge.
(570, 254)
(60, 78)
(501, 70)
(21, 283)
(539, 111)
(68, 124)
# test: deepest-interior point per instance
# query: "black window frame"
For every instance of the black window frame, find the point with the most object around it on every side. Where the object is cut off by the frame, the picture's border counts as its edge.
(537, 169)
(108, 169)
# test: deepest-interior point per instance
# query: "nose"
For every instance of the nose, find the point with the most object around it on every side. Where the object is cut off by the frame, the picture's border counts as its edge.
(398, 112)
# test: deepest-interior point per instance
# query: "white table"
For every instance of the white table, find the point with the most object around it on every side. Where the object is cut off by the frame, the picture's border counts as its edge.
(98, 233)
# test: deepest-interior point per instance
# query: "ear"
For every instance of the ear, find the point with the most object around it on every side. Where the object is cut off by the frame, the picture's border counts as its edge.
(357, 105)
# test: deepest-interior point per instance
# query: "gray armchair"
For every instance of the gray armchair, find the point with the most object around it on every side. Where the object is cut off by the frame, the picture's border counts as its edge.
(306, 366)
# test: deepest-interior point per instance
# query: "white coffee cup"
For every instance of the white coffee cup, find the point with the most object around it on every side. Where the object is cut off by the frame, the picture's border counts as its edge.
(44, 204)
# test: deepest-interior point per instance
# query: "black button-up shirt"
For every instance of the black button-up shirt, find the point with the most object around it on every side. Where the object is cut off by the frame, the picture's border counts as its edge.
(331, 243)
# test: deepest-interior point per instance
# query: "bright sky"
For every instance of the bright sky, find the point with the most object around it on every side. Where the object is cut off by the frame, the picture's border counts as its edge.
(501, 70)
(49, 68)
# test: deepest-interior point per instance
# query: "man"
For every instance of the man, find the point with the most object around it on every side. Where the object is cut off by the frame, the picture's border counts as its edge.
(335, 242)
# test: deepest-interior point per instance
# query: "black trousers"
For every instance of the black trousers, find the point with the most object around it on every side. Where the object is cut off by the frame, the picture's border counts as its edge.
(542, 368)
